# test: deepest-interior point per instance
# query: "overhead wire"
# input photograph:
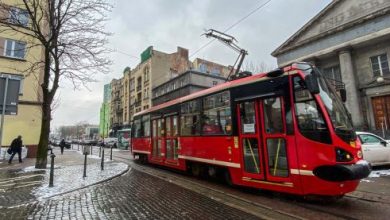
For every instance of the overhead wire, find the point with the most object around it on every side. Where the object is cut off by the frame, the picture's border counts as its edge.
(233, 25)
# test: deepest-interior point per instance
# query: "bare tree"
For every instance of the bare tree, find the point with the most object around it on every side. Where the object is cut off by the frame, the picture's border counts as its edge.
(257, 68)
(72, 36)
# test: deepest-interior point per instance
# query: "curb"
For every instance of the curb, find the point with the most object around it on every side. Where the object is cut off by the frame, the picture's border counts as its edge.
(73, 190)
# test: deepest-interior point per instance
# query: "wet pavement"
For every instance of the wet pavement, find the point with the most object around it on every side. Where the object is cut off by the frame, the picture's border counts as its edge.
(124, 190)
(133, 195)
(21, 183)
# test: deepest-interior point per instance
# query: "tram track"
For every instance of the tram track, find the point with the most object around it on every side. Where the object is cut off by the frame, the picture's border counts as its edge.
(264, 204)
(259, 210)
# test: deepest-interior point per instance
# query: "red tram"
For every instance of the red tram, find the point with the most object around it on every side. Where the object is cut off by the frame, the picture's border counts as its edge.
(286, 130)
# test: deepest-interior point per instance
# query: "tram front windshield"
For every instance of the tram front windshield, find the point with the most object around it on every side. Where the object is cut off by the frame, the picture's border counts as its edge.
(336, 110)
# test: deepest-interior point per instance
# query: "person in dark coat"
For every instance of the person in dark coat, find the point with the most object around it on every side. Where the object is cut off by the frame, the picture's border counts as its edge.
(16, 148)
(62, 145)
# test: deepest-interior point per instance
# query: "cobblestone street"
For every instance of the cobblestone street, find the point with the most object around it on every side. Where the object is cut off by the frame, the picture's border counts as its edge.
(134, 195)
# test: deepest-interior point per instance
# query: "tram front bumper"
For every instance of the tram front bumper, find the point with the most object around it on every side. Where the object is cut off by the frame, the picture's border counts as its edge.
(343, 172)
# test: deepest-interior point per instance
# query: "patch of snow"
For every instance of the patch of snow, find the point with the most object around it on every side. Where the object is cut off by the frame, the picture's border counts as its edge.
(69, 178)
(364, 162)
(379, 173)
(120, 150)
(5, 156)
(94, 156)
(30, 169)
(366, 180)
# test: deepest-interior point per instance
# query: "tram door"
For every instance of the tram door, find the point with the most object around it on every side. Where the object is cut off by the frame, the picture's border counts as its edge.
(157, 138)
(171, 133)
(262, 138)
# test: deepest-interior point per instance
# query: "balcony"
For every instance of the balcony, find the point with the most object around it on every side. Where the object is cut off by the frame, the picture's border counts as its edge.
(118, 108)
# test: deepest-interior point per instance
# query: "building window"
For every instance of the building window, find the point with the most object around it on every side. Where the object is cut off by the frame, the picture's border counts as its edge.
(203, 68)
(146, 93)
(139, 86)
(380, 65)
(132, 85)
(18, 16)
(15, 49)
(146, 74)
(333, 73)
(215, 83)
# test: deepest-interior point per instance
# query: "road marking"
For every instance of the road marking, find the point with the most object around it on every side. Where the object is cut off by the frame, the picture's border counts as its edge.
(19, 183)
(20, 178)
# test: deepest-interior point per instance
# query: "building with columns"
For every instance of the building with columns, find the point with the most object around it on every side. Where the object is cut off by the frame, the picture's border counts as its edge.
(349, 42)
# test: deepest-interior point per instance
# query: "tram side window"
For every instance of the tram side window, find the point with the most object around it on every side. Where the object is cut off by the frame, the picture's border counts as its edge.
(310, 120)
(146, 125)
(248, 117)
(137, 128)
(217, 114)
(273, 119)
(190, 118)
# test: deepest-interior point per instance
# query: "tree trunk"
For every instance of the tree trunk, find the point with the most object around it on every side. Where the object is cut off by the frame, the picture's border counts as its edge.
(41, 160)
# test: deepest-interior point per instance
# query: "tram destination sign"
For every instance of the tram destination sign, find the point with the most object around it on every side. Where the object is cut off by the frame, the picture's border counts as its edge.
(9, 90)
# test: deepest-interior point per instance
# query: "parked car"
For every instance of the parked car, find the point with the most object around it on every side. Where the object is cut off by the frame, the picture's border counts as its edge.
(108, 142)
(68, 144)
(90, 142)
(376, 150)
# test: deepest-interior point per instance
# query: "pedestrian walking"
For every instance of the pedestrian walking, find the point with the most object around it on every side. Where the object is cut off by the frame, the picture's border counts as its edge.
(62, 145)
(16, 148)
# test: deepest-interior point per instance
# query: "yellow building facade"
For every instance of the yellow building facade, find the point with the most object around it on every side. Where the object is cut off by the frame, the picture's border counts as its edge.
(17, 53)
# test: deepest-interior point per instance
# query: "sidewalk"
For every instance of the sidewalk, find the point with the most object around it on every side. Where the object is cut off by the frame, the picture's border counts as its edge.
(21, 183)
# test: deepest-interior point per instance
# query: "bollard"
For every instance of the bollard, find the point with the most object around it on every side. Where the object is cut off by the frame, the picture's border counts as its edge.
(91, 149)
(111, 153)
(102, 163)
(78, 147)
(100, 151)
(51, 170)
(85, 165)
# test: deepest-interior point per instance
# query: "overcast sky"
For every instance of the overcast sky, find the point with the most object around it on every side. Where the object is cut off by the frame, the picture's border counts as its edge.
(166, 24)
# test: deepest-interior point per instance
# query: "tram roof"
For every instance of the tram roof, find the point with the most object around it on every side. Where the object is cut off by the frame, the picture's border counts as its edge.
(227, 85)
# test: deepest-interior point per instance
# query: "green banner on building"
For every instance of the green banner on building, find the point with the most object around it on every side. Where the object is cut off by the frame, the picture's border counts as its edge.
(146, 54)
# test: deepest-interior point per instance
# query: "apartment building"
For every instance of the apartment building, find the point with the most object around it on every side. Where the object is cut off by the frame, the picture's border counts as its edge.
(155, 68)
(17, 53)
(105, 109)
(154, 71)
(116, 107)
(186, 83)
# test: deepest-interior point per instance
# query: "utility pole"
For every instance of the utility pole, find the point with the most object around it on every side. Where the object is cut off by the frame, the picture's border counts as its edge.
(3, 110)
(230, 42)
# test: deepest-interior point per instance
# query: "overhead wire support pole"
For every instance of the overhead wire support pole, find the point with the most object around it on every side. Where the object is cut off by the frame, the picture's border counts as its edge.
(230, 42)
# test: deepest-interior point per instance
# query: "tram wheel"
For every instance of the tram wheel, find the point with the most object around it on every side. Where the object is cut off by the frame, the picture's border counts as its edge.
(195, 170)
(227, 177)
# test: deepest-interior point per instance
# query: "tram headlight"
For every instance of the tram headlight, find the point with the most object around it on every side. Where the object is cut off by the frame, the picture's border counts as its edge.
(343, 155)
(359, 154)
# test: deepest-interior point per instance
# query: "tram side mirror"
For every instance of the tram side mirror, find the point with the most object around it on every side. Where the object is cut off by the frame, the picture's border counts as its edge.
(312, 83)
(343, 95)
